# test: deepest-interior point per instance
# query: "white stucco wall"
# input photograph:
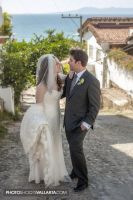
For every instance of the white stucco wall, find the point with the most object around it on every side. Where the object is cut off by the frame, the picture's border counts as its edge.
(92, 61)
(121, 77)
(7, 94)
(99, 73)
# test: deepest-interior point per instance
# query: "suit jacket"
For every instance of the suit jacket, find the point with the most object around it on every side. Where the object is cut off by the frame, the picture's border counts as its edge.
(83, 103)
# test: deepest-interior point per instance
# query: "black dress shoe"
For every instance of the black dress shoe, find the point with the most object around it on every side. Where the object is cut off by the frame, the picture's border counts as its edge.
(80, 187)
(73, 176)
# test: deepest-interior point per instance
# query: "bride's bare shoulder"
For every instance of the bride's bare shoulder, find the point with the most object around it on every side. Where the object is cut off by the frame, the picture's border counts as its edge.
(40, 91)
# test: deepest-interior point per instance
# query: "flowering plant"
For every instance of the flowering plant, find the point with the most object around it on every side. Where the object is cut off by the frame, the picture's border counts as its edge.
(81, 81)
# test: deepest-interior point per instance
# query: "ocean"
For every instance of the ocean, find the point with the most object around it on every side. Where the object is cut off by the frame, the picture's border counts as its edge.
(24, 26)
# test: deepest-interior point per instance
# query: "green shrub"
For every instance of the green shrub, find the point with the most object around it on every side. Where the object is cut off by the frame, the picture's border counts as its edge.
(6, 116)
(121, 58)
(3, 131)
(6, 28)
(19, 59)
(16, 73)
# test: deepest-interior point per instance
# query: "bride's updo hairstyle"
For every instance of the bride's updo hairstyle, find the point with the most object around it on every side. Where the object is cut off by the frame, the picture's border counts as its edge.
(46, 72)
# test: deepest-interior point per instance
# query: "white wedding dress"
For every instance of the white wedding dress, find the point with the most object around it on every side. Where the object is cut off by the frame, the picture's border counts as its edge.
(41, 138)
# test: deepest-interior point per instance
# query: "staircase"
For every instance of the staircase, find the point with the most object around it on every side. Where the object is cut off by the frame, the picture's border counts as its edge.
(112, 98)
(115, 98)
(27, 98)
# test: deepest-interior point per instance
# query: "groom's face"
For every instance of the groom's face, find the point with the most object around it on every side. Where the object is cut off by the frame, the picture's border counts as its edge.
(73, 64)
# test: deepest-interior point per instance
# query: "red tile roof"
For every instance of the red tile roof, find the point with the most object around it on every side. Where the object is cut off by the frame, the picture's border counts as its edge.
(109, 29)
(3, 39)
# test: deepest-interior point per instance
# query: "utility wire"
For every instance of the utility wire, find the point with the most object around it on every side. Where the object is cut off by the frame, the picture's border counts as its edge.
(74, 22)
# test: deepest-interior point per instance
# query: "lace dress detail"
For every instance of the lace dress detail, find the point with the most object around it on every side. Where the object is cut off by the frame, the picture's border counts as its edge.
(41, 138)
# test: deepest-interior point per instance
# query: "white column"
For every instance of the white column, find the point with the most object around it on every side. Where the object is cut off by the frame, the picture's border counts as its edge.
(7, 94)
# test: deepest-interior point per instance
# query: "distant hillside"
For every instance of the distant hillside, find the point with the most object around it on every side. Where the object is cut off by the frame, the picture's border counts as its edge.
(102, 11)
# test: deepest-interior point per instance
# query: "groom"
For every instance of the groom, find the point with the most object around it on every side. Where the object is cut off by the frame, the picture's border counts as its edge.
(82, 93)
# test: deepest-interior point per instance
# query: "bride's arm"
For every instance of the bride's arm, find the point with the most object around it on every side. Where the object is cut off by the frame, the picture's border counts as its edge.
(63, 76)
(40, 91)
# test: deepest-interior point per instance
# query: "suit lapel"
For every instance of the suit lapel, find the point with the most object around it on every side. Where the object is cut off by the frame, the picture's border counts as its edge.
(69, 86)
(76, 87)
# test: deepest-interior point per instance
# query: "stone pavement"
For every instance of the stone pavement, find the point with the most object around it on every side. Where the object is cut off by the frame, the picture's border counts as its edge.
(109, 156)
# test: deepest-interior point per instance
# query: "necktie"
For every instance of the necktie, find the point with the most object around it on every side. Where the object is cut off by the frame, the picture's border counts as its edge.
(73, 82)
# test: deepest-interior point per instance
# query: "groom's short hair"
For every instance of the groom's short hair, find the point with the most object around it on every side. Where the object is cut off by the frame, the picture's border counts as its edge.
(79, 55)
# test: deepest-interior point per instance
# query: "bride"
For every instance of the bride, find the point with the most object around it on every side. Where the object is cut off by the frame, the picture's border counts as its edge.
(40, 128)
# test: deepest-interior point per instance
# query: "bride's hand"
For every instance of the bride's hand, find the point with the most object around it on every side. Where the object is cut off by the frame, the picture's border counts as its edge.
(71, 73)
(62, 76)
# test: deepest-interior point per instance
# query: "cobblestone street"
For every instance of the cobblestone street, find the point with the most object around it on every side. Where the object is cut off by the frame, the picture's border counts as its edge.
(109, 156)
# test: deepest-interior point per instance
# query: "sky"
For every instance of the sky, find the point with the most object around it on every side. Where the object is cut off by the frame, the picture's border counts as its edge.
(49, 6)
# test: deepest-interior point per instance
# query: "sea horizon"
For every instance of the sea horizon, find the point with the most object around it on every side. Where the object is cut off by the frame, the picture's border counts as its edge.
(26, 25)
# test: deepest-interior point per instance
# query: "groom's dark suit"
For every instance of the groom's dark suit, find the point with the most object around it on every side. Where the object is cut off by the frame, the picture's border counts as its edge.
(82, 105)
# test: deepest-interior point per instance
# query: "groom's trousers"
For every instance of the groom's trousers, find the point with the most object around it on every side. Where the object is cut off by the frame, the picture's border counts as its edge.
(75, 139)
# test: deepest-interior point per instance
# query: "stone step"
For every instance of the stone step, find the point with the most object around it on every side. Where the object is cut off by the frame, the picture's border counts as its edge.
(114, 98)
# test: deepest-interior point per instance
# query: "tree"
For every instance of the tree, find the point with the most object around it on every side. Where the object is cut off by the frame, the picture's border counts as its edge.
(6, 28)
